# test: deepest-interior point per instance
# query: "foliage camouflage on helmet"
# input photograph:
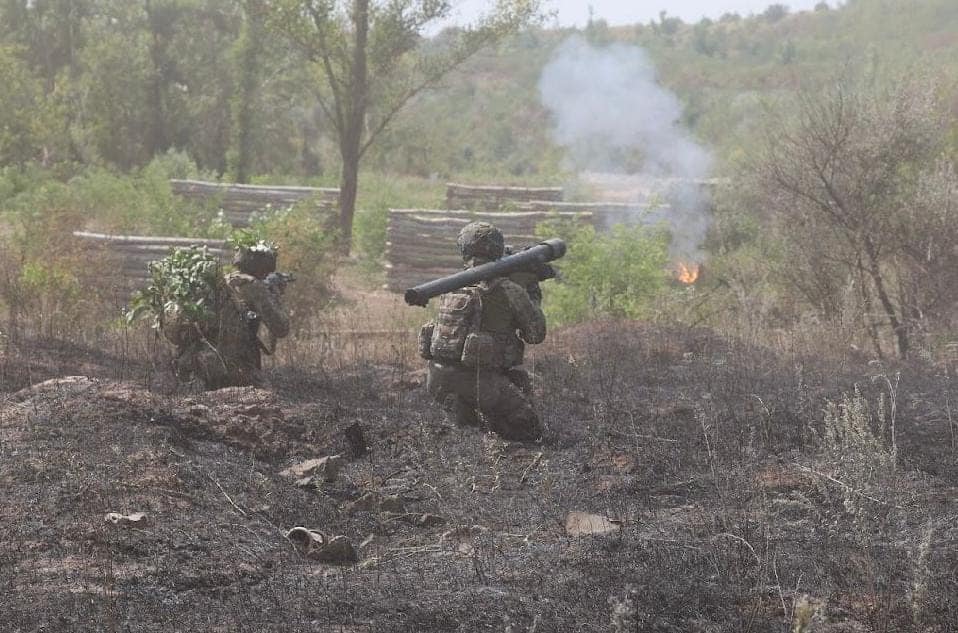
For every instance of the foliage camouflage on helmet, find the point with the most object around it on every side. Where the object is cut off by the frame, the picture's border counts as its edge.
(257, 259)
(481, 239)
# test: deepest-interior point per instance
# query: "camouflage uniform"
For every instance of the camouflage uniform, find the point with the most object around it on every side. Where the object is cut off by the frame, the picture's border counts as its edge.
(230, 353)
(498, 392)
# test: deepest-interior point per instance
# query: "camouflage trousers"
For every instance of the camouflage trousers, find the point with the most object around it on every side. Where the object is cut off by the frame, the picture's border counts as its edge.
(219, 368)
(501, 399)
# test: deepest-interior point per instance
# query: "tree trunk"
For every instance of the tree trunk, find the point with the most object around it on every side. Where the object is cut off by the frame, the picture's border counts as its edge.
(157, 141)
(867, 309)
(351, 135)
(240, 155)
(874, 270)
(348, 187)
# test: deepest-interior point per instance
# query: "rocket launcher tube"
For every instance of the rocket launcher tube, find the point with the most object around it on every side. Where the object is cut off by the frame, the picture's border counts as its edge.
(527, 259)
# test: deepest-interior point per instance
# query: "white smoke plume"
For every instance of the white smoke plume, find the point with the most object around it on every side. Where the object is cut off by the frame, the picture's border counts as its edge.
(613, 117)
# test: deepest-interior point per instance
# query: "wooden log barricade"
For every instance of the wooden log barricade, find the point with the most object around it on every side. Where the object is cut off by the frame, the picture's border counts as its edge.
(497, 198)
(126, 258)
(240, 202)
(421, 243)
(602, 214)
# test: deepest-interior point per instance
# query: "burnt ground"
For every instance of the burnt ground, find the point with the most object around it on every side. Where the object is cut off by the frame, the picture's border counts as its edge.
(731, 505)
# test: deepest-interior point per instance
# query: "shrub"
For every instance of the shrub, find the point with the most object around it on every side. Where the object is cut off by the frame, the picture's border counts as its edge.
(44, 265)
(614, 274)
(183, 283)
(307, 249)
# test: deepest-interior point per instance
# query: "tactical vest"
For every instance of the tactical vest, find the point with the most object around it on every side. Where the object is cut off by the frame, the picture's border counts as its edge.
(475, 328)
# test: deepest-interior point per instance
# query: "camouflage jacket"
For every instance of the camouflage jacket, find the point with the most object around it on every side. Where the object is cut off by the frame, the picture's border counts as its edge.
(508, 311)
(252, 302)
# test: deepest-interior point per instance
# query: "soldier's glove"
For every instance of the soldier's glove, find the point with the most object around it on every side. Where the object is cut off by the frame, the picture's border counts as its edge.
(276, 282)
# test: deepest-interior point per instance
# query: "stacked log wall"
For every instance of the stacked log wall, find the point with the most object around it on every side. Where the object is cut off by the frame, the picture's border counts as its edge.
(421, 243)
(125, 259)
(496, 198)
(240, 202)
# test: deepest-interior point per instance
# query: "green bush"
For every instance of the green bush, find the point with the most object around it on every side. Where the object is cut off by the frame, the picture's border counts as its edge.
(307, 249)
(614, 274)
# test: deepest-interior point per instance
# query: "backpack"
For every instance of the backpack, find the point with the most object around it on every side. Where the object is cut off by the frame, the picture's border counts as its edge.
(460, 314)
(185, 328)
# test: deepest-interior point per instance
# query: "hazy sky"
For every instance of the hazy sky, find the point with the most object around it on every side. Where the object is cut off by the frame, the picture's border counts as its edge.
(576, 12)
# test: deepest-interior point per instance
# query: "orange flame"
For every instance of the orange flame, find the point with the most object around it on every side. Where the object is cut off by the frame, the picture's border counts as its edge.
(686, 273)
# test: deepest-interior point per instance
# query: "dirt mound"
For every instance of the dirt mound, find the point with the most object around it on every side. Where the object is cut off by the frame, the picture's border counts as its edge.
(27, 362)
(246, 417)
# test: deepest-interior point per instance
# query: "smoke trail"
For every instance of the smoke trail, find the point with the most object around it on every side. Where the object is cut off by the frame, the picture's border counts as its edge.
(613, 117)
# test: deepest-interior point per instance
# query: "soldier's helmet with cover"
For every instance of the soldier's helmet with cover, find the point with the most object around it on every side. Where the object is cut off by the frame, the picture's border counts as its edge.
(258, 260)
(481, 240)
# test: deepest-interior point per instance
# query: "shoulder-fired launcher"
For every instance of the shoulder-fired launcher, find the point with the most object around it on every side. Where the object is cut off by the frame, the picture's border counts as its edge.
(529, 259)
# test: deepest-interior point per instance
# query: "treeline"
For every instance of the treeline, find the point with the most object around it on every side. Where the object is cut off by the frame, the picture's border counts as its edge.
(117, 82)
(837, 126)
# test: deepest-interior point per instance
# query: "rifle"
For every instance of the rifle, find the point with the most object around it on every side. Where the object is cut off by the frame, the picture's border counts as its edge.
(534, 259)
(276, 283)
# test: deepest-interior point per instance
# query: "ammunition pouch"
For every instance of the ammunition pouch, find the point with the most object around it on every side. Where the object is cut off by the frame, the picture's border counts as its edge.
(486, 350)
(459, 314)
(479, 350)
(425, 340)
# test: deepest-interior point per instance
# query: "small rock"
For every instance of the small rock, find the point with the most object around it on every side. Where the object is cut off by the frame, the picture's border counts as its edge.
(338, 551)
(199, 410)
(135, 519)
(355, 440)
(582, 523)
(305, 482)
(326, 468)
(305, 537)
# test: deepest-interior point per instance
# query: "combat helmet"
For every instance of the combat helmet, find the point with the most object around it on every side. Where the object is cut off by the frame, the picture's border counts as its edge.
(481, 240)
(258, 260)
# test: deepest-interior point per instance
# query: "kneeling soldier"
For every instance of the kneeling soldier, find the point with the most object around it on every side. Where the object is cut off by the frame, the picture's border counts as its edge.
(476, 345)
(248, 300)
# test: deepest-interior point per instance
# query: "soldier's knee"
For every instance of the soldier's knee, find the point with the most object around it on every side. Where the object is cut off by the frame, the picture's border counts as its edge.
(521, 379)
(520, 428)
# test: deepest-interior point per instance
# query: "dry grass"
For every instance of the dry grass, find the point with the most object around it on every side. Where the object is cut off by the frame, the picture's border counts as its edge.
(756, 490)
(735, 514)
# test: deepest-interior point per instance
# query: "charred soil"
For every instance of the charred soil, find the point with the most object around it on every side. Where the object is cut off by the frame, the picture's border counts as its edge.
(686, 482)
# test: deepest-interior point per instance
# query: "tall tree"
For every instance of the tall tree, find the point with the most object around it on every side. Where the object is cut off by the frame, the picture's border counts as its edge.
(374, 58)
(247, 62)
(27, 122)
(162, 17)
